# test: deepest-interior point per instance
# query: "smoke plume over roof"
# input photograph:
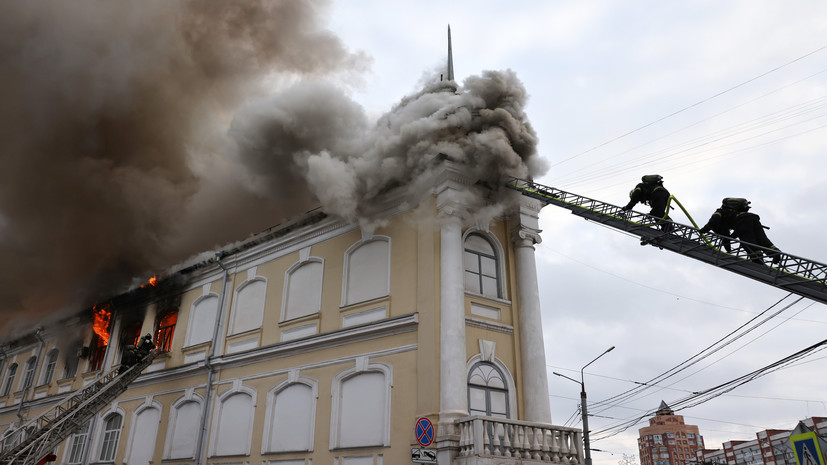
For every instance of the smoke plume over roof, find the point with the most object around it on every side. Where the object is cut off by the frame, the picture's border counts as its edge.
(138, 134)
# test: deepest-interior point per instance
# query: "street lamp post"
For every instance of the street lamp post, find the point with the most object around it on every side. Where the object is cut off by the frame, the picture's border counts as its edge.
(583, 410)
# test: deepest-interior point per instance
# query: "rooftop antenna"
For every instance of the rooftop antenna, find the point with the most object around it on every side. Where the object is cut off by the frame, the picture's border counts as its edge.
(450, 57)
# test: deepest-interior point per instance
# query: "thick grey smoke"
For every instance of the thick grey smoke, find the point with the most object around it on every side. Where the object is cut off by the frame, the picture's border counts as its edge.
(112, 163)
(136, 135)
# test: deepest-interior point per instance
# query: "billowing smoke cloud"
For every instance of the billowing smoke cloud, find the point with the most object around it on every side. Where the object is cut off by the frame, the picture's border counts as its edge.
(481, 126)
(137, 134)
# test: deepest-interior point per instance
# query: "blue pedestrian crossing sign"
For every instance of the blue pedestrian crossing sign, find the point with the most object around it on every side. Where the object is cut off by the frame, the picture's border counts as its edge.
(424, 430)
(806, 449)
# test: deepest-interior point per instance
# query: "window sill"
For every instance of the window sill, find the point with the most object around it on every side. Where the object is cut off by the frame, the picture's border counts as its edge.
(364, 303)
(487, 298)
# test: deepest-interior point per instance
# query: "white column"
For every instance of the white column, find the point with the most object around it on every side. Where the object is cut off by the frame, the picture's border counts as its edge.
(453, 395)
(534, 376)
(451, 187)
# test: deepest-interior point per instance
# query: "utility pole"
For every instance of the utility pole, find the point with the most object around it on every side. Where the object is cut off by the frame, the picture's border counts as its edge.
(583, 408)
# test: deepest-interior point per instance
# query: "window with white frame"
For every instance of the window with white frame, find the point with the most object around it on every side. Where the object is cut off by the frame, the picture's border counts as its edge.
(482, 270)
(10, 374)
(291, 413)
(234, 422)
(144, 432)
(303, 289)
(361, 407)
(111, 435)
(28, 373)
(184, 423)
(77, 445)
(487, 391)
(248, 310)
(367, 270)
(10, 439)
(202, 319)
(70, 363)
(49, 367)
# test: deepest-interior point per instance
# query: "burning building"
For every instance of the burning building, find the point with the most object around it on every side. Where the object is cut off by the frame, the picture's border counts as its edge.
(320, 341)
(410, 293)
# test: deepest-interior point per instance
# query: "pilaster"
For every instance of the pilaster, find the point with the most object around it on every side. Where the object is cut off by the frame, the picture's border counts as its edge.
(525, 234)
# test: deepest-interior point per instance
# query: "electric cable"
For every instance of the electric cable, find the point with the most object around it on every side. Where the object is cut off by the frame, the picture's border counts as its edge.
(691, 106)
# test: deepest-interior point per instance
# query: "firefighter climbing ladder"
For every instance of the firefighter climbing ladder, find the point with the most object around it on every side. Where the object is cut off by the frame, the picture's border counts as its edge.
(793, 274)
(40, 436)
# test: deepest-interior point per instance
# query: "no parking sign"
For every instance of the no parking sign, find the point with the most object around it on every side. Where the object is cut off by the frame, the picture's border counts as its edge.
(424, 430)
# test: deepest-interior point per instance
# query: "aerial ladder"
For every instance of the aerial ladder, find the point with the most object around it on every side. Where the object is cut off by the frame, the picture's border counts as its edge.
(34, 442)
(788, 272)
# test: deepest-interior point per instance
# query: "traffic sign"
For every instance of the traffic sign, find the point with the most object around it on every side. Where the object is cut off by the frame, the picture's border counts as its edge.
(424, 430)
(419, 455)
(807, 451)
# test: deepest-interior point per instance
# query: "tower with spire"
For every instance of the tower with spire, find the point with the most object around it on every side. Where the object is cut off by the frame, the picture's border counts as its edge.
(668, 440)
(450, 57)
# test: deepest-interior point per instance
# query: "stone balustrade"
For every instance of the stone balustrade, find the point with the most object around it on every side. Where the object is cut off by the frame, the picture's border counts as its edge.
(500, 441)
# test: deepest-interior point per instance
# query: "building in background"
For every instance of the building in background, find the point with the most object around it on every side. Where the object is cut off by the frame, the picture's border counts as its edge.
(668, 440)
(319, 342)
(770, 447)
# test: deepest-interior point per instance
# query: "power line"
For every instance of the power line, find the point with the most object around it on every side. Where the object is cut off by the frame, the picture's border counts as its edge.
(713, 392)
(690, 106)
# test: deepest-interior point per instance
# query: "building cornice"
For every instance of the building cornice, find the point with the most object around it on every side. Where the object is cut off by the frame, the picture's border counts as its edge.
(373, 330)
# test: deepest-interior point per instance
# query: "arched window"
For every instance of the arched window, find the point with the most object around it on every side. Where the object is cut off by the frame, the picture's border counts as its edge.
(77, 445)
(111, 435)
(98, 346)
(202, 319)
(143, 433)
(184, 423)
(28, 373)
(291, 413)
(234, 422)
(361, 407)
(165, 329)
(70, 362)
(49, 368)
(10, 373)
(367, 270)
(248, 309)
(10, 439)
(482, 270)
(130, 335)
(487, 391)
(303, 289)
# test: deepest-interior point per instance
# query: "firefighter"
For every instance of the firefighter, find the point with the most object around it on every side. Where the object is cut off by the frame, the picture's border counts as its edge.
(651, 191)
(128, 358)
(749, 230)
(145, 346)
(722, 222)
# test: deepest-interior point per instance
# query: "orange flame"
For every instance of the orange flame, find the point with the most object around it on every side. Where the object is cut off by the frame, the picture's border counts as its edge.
(100, 324)
(153, 281)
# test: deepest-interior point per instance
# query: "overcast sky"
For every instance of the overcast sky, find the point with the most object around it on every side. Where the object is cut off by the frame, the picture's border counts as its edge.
(132, 138)
(723, 99)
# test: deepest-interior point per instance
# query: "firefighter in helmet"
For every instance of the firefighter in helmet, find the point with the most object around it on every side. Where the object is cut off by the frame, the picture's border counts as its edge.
(750, 231)
(651, 191)
(145, 346)
(722, 222)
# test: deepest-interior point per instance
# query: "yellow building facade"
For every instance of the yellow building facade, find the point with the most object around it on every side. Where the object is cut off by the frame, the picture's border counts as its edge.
(320, 342)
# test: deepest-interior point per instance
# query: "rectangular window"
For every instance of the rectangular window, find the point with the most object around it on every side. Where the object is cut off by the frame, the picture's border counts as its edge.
(9, 379)
(77, 446)
(50, 370)
(70, 367)
(111, 434)
(28, 377)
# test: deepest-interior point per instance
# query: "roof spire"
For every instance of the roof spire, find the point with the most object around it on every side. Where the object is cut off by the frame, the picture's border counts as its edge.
(450, 57)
